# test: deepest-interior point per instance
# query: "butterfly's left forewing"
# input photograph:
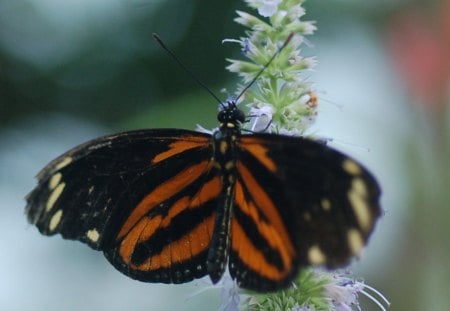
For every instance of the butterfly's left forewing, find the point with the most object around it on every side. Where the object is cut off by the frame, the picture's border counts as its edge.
(297, 203)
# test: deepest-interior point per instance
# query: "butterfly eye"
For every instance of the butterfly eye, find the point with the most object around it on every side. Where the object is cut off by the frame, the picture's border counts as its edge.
(221, 116)
(240, 116)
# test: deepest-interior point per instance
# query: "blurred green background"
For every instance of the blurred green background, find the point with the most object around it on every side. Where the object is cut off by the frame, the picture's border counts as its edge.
(76, 69)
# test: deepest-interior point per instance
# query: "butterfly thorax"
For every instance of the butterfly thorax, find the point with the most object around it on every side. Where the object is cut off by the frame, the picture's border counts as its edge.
(224, 140)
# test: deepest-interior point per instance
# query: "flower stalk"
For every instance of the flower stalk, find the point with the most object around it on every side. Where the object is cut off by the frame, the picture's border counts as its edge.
(282, 101)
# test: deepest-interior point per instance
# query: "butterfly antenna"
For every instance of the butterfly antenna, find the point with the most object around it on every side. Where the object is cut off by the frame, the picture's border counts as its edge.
(175, 58)
(265, 66)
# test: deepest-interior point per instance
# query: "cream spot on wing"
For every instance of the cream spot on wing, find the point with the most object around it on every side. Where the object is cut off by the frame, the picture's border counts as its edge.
(326, 204)
(357, 197)
(316, 256)
(66, 161)
(55, 220)
(54, 181)
(351, 167)
(355, 241)
(54, 196)
(93, 235)
(359, 186)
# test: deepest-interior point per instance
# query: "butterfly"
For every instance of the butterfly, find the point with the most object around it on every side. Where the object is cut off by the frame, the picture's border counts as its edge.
(173, 205)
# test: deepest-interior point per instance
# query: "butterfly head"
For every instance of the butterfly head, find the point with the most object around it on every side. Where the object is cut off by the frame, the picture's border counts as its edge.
(230, 116)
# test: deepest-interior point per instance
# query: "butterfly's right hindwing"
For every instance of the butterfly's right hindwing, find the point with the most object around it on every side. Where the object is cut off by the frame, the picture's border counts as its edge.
(297, 203)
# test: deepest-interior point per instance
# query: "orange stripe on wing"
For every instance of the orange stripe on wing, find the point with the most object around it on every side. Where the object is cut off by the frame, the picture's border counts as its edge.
(253, 257)
(209, 190)
(178, 207)
(145, 227)
(201, 237)
(255, 147)
(181, 146)
(181, 250)
(162, 193)
(264, 205)
(191, 244)
(270, 233)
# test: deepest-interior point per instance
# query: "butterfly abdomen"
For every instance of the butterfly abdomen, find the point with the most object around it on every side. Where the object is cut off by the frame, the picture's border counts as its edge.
(224, 160)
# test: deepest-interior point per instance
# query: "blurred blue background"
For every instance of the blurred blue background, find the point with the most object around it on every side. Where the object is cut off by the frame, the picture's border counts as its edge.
(76, 69)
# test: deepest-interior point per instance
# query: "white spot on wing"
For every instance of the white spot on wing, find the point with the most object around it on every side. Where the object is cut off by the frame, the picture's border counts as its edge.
(359, 186)
(355, 241)
(66, 161)
(358, 199)
(316, 256)
(326, 204)
(55, 220)
(351, 167)
(54, 181)
(93, 235)
(54, 196)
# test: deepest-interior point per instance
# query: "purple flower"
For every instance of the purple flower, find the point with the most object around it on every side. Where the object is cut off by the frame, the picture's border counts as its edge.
(268, 7)
(230, 294)
(344, 291)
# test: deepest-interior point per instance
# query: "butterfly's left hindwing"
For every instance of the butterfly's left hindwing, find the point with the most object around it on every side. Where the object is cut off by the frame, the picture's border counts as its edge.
(297, 203)
(167, 236)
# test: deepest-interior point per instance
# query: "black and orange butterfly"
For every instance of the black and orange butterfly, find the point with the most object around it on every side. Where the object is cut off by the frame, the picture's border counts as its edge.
(172, 205)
